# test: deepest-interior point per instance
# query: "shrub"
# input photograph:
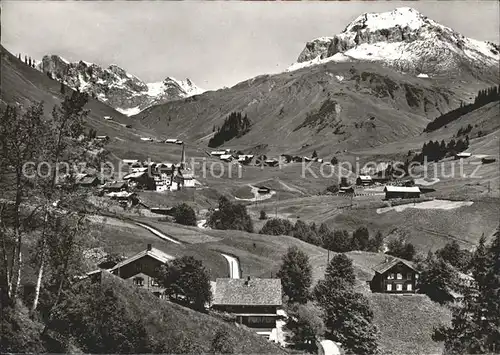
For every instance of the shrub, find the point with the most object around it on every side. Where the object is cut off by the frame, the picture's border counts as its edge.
(277, 226)
(230, 216)
(184, 214)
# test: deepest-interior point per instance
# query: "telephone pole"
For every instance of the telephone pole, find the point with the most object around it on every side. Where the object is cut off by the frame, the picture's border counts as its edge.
(276, 204)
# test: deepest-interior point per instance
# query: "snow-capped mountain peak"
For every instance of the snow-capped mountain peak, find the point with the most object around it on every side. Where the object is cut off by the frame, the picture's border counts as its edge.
(405, 40)
(402, 16)
(115, 86)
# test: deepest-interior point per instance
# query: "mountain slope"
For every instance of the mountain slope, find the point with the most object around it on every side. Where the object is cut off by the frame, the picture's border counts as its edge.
(337, 105)
(408, 41)
(22, 85)
(114, 86)
(379, 81)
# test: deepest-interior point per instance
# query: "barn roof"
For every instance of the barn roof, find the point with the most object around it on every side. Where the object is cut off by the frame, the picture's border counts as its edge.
(391, 188)
(134, 175)
(154, 253)
(387, 265)
(248, 292)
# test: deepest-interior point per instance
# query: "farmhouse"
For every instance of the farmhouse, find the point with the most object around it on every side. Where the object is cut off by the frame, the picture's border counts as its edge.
(271, 162)
(364, 180)
(130, 161)
(263, 189)
(346, 189)
(88, 181)
(116, 186)
(167, 211)
(226, 157)
(401, 192)
(217, 153)
(245, 159)
(143, 269)
(488, 160)
(462, 155)
(255, 302)
(188, 180)
(394, 276)
(140, 179)
(102, 138)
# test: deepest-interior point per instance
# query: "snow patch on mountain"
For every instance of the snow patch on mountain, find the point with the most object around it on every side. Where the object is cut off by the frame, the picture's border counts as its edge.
(129, 111)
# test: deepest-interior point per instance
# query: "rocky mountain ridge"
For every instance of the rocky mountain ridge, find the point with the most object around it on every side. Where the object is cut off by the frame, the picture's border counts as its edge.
(407, 41)
(115, 86)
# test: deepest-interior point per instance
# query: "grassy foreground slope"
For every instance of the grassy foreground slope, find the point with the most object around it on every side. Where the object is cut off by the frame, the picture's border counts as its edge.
(164, 319)
(406, 323)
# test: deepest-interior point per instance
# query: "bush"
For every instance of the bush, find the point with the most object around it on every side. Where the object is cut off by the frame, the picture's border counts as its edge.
(188, 278)
(262, 215)
(401, 249)
(230, 216)
(184, 214)
(332, 189)
(277, 226)
(99, 329)
(222, 343)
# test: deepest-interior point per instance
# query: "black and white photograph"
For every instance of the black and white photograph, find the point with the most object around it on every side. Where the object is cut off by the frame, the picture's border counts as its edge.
(250, 177)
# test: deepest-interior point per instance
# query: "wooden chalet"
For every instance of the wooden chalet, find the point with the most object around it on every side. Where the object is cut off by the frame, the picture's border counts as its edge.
(140, 179)
(255, 302)
(395, 276)
(116, 186)
(143, 269)
(462, 155)
(263, 189)
(364, 180)
(88, 181)
(401, 192)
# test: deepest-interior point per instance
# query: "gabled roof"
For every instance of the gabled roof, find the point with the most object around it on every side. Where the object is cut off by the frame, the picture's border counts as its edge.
(86, 180)
(253, 292)
(154, 253)
(135, 175)
(383, 267)
(117, 185)
(391, 188)
(365, 177)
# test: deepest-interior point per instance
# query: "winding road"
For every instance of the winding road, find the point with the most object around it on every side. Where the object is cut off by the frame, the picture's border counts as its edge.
(158, 233)
(234, 266)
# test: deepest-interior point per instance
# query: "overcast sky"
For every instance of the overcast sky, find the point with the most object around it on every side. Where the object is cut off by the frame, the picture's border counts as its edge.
(213, 43)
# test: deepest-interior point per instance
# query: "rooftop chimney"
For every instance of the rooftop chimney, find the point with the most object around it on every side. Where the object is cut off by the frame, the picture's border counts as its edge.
(149, 246)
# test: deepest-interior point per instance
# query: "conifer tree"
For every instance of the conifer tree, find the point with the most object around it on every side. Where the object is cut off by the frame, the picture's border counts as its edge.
(296, 275)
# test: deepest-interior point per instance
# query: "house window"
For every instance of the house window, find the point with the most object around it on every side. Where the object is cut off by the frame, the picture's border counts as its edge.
(399, 287)
(408, 276)
(139, 281)
(389, 287)
(390, 277)
(154, 282)
(408, 287)
(400, 276)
